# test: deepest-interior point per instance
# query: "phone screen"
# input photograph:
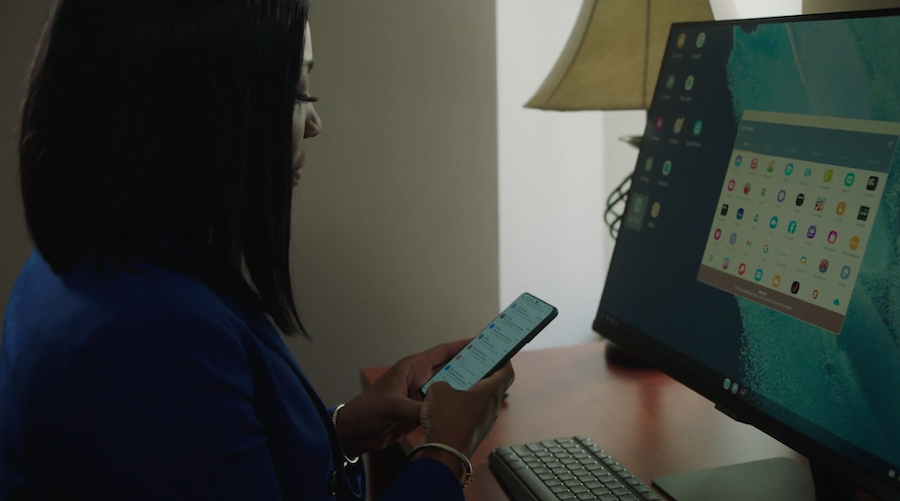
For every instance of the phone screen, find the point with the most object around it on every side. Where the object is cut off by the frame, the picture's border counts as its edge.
(512, 328)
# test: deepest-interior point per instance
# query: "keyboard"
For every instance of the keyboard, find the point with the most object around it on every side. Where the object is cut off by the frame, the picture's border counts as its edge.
(572, 468)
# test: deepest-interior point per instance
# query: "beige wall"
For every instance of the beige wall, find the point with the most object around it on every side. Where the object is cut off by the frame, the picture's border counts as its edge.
(20, 27)
(395, 234)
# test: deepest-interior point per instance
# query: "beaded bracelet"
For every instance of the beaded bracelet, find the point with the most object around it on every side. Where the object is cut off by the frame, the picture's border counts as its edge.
(451, 450)
(334, 414)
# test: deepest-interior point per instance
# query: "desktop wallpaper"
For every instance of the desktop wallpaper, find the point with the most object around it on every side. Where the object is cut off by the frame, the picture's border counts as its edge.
(841, 390)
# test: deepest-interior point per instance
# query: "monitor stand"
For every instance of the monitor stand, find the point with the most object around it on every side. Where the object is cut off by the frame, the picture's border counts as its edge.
(773, 479)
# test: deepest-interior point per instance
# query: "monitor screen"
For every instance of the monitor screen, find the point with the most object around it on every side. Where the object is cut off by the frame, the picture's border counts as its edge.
(758, 259)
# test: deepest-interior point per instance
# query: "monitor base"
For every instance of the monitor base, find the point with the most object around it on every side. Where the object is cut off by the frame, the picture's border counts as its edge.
(776, 479)
(617, 356)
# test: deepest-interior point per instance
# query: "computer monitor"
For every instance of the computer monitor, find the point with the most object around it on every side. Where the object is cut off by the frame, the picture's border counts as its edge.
(758, 260)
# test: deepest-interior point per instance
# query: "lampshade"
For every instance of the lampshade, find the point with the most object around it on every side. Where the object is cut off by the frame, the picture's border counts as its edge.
(612, 58)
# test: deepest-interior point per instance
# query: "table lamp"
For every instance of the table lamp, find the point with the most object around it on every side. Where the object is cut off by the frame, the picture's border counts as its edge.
(612, 61)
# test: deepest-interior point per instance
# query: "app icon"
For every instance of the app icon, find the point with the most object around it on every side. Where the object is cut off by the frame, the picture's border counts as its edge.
(802, 259)
(459, 357)
(741, 269)
(837, 302)
(872, 184)
(828, 175)
(731, 185)
(832, 237)
(863, 213)
(749, 244)
(841, 207)
(735, 388)
(689, 82)
(766, 249)
(654, 211)
(489, 327)
(763, 192)
(681, 39)
(670, 82)
(815, 294)
(781, 196)
(698, 127)
(638, 204)
(771, 167)
(773, 222)
(789, 169)
(726, 384)
(679, 123)
(845, 272)
(820, 204)
(800, 199)
(756, 218)
(848, 181)
(667, 167)
(710, 258)
(758, 275)
(724, 211)
(732, 239)
(795, 287)
(747, 189)
(726, 263)
(807, 172)
(811, 232)
(718, 234)
(776, 281)
(648, 165)
(823, 265)
(660, 122)
(854, 243)
(792, 227)
(701, 39)
(740, 214)
(754, 163)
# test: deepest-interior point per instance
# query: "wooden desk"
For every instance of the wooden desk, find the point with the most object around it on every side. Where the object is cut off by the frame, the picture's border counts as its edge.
(649, 422)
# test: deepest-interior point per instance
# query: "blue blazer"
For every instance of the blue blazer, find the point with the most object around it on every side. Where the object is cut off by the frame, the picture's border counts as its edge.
(151, 385)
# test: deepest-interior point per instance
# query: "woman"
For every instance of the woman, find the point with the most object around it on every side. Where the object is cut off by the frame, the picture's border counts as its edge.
(140, 358)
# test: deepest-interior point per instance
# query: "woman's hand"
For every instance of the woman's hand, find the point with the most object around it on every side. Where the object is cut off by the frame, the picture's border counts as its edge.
(392, 406)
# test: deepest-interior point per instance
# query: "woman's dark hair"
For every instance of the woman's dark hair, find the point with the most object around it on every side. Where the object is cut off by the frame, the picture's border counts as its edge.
(153, 122)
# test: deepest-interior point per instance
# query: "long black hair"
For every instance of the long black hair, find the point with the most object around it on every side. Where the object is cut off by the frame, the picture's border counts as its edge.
(149, 122)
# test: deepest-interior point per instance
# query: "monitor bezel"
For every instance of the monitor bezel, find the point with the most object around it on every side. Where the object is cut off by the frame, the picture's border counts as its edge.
(704, 380)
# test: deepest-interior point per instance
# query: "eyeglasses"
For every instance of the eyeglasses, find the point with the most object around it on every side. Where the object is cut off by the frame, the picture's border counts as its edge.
(305, 98)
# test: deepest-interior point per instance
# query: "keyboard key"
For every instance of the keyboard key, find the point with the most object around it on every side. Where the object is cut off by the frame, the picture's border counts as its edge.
(542, 453)
(593, 467)
(535, 447)
(559, 488)
(564, 496)
(578, 489)
(551, 482)
(581, 455)
(568, 460)
(593, 484)
(621, 491)
(616, 467)
(560, 471)
(649, 496)
(548, 443)
(566, 440)
(608, 460)
(535, 485)
(533, 463)
(571, 484)
(586, 496)
(632, 481)
(586, 478)
(609, 497)
(546, 476)
(629, 497)
(576, 468)
(540, 471)
(613, 485)
(642, 489)
(521, 450)
(555, 449)
(600, 491)
(516, 464)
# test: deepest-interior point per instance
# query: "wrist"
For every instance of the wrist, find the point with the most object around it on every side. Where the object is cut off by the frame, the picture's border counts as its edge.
(447, 458)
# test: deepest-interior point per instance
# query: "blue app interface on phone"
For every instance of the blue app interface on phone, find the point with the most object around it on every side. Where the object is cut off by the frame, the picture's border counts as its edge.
(493, 343)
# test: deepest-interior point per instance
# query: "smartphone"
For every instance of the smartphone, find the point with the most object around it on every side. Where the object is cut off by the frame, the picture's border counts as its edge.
(513, 328)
